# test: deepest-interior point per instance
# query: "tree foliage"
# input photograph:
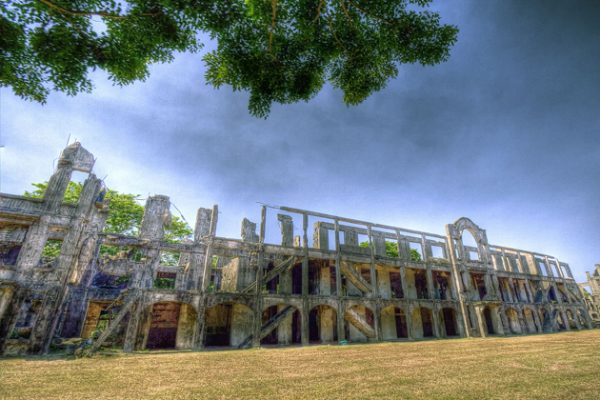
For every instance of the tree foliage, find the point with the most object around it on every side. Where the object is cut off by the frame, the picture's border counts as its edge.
(124, 212)
(391, 250)
(279, 50)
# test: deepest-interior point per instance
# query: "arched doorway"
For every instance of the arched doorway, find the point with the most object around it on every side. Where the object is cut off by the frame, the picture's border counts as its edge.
(513, 321)
(489, 322)
(422, 322)
(449, 317)
(393, 323)
(281, 324)
(582, 320)
(172, 325)
(571, 319)
(530, 322)
(228, 324)
(322, 324)
(560, 321)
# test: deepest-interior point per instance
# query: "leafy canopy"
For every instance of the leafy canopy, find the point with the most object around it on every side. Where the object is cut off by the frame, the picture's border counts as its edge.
(124, 212)
(279, 50)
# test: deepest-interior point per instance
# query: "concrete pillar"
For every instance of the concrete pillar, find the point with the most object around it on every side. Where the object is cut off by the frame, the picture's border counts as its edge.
(429, 277)
(287, 230)
(403, 282)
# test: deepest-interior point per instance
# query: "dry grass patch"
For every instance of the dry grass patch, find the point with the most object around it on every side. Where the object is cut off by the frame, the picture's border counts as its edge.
(556, 366)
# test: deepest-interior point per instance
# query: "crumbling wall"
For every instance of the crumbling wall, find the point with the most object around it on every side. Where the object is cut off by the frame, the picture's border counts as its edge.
(338, 280)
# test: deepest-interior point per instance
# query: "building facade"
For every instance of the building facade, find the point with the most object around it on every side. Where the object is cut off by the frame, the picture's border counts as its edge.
(591, 291)
(314, 278)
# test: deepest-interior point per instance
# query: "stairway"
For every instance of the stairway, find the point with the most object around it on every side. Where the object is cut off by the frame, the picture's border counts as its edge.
(268, 326)
(359, 323)
(279, 268)
(355, 278)
(128, 299)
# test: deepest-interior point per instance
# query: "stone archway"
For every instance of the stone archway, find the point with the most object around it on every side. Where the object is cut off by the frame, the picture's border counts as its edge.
(530, 321)
(171, 325)
(488, 321)
(512, 318)
(281, 325)
(448, 317)
(360, 323)
(228, 324)
(322, 324)
(393, 323)
(422, 323)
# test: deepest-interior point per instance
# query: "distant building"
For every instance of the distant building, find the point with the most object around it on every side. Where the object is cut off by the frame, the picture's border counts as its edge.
(323, 279)
(591, 291)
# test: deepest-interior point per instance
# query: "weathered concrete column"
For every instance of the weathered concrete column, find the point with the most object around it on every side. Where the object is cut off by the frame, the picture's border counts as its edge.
(258, 301)
(435, 317)
(403, 282)
(80, 230)
(57, 185)
(156, 217)
(565, 319)
(406, 309)
(478, 310)
(305, 307)
(429, 277)
(341, 332)
(200, 254)
(489, 288)
(374, 285)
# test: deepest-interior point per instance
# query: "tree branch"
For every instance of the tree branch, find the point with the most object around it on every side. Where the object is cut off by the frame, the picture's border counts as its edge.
(319, 10)
(79, 13)
(273, 19)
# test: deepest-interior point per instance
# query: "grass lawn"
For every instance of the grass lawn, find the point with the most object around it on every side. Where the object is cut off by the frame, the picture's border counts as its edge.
(555, 366)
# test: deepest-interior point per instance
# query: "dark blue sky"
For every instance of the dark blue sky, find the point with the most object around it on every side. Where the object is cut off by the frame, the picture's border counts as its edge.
(507, 132)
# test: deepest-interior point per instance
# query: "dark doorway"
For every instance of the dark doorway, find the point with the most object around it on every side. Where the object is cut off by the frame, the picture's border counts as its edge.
(450, 322)
(218, 325)
(163, 329)
(297, 279)
(487, 314)
(427, 321)
(396, 285)
(401, 327)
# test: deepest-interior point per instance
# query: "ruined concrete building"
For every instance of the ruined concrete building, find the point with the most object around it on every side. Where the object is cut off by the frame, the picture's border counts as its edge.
(591, 291)
(339, 279)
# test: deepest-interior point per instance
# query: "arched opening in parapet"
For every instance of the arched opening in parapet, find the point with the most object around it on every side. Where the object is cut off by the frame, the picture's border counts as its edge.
(513, 321)
(530, 321)
(281, 324)
(172, 325)
(322, 324)
(360, 323)
(228, 324)
(448, 316)
(489, 322)
(422, 322)
(393, 323)
(471, 249)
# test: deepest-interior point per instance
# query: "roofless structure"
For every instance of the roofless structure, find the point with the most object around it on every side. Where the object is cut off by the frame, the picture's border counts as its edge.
(339, 279)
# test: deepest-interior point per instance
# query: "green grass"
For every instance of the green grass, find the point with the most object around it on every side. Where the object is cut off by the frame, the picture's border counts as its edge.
(556, 366)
